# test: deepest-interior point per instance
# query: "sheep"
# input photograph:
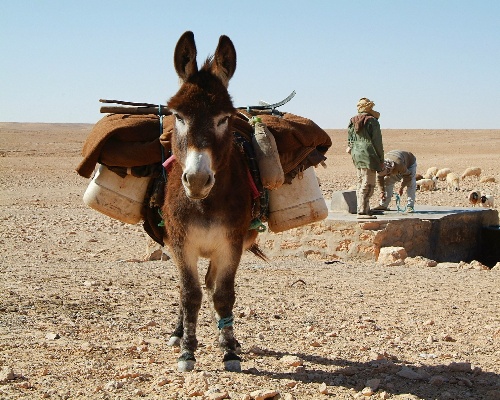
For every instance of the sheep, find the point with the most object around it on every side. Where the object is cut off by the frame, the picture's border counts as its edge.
(418, 177)
(487, 200)
(441, 174)
(426, 184)
(452, 182)
(487, 179)
(471, 171)
(431, 172)
(474, 198)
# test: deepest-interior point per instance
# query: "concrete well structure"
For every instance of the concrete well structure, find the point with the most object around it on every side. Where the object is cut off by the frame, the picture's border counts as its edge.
(443, 234)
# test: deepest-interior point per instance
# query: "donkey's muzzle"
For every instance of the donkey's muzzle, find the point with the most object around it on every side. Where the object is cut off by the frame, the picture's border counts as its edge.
(198, 178)
(197, 185)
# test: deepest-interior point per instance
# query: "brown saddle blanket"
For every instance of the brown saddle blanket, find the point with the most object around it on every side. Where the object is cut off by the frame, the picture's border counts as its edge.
(124, 140)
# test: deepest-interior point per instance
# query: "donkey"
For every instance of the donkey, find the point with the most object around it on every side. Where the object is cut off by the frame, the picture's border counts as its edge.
(208, 198)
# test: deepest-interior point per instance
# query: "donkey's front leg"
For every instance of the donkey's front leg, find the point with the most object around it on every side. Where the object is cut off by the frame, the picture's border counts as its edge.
(220, 284)
(176, 336)
(190, 303)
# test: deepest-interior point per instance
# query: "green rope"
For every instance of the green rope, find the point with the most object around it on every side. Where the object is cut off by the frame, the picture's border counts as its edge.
(257, 225)
(398, 201)
(162, 222)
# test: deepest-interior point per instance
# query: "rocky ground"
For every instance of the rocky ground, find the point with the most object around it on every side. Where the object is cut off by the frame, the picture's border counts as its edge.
(82, 316)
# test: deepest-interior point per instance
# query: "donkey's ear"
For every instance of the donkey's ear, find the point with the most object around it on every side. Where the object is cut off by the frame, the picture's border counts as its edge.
(224, 63)
(185, 56)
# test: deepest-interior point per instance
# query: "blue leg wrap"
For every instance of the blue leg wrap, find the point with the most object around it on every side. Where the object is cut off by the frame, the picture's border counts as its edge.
(225, 322)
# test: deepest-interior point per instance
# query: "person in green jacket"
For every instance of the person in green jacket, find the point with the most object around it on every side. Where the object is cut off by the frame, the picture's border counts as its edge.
(367, 152)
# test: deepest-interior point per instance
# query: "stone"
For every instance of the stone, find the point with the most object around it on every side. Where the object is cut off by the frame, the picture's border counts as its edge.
(52, 336)
(196, 384)
(344, 201)
(292, 361)
(263, 394)
(392, 256)
(155, 251)
(460, 367)
(408, 373)
(437, 380)
(6, 374)
(374, 384)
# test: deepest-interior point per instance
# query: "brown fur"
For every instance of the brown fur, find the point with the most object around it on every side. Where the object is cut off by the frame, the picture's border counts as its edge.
(189, 222)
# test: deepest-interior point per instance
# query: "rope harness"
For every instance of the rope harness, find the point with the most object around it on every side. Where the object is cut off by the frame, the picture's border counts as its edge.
(398, 202)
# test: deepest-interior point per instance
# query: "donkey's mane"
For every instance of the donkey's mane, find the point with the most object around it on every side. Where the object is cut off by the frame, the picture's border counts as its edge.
(208, 63)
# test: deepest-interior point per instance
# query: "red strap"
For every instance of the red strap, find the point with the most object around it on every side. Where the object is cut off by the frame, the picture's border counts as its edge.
(168, 163)
(255, 191)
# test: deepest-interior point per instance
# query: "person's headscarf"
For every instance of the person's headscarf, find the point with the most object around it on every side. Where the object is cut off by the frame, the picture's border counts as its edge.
(366, 105)
(388, 166)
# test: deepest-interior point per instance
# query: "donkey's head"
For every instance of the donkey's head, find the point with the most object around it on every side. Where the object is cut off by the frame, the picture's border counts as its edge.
(203, 110)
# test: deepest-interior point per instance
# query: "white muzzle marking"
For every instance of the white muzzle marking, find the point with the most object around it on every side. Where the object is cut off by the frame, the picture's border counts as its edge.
(198, 176)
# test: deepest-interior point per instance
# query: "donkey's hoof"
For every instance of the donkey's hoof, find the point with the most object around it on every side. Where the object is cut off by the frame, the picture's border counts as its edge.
(232, 362)
(185, 365)
(185, 362)
(174, 341)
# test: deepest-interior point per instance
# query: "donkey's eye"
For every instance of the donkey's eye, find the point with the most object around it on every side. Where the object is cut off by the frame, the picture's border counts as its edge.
(179, 118)
(223, 120)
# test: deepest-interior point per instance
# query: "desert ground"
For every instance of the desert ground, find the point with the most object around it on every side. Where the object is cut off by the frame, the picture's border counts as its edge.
(83, 316)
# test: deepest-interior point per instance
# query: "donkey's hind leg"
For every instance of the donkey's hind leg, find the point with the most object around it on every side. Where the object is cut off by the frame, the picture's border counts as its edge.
(220, 285)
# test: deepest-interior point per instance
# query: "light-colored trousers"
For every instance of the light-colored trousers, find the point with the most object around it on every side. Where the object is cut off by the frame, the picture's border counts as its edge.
(411, 190)
(365, 189)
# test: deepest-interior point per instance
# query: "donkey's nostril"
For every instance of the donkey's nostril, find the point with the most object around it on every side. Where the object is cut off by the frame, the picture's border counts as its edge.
(198, 181)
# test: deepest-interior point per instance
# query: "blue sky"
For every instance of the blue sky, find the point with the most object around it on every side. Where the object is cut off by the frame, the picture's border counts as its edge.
(427, 64)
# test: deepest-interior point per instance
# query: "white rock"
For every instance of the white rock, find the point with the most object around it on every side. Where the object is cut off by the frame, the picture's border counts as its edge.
(217, 395)
(263, 394)
(477, 265)
(292, 361)
(6, 374)
(323, 389)
(113, 385)
(392, 256)
(52, 336)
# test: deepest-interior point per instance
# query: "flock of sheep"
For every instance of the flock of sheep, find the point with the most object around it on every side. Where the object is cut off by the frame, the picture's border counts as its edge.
(429, 180)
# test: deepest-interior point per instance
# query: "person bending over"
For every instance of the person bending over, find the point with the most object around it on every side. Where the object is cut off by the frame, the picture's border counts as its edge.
(399, 166)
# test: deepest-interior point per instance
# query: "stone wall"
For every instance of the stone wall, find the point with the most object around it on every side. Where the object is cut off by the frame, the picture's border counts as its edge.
(453, 237)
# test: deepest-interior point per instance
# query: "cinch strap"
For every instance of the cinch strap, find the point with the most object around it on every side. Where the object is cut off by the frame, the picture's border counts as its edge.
(225, 322)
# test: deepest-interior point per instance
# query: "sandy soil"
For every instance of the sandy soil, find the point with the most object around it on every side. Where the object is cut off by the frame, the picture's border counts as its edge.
(81, 317)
